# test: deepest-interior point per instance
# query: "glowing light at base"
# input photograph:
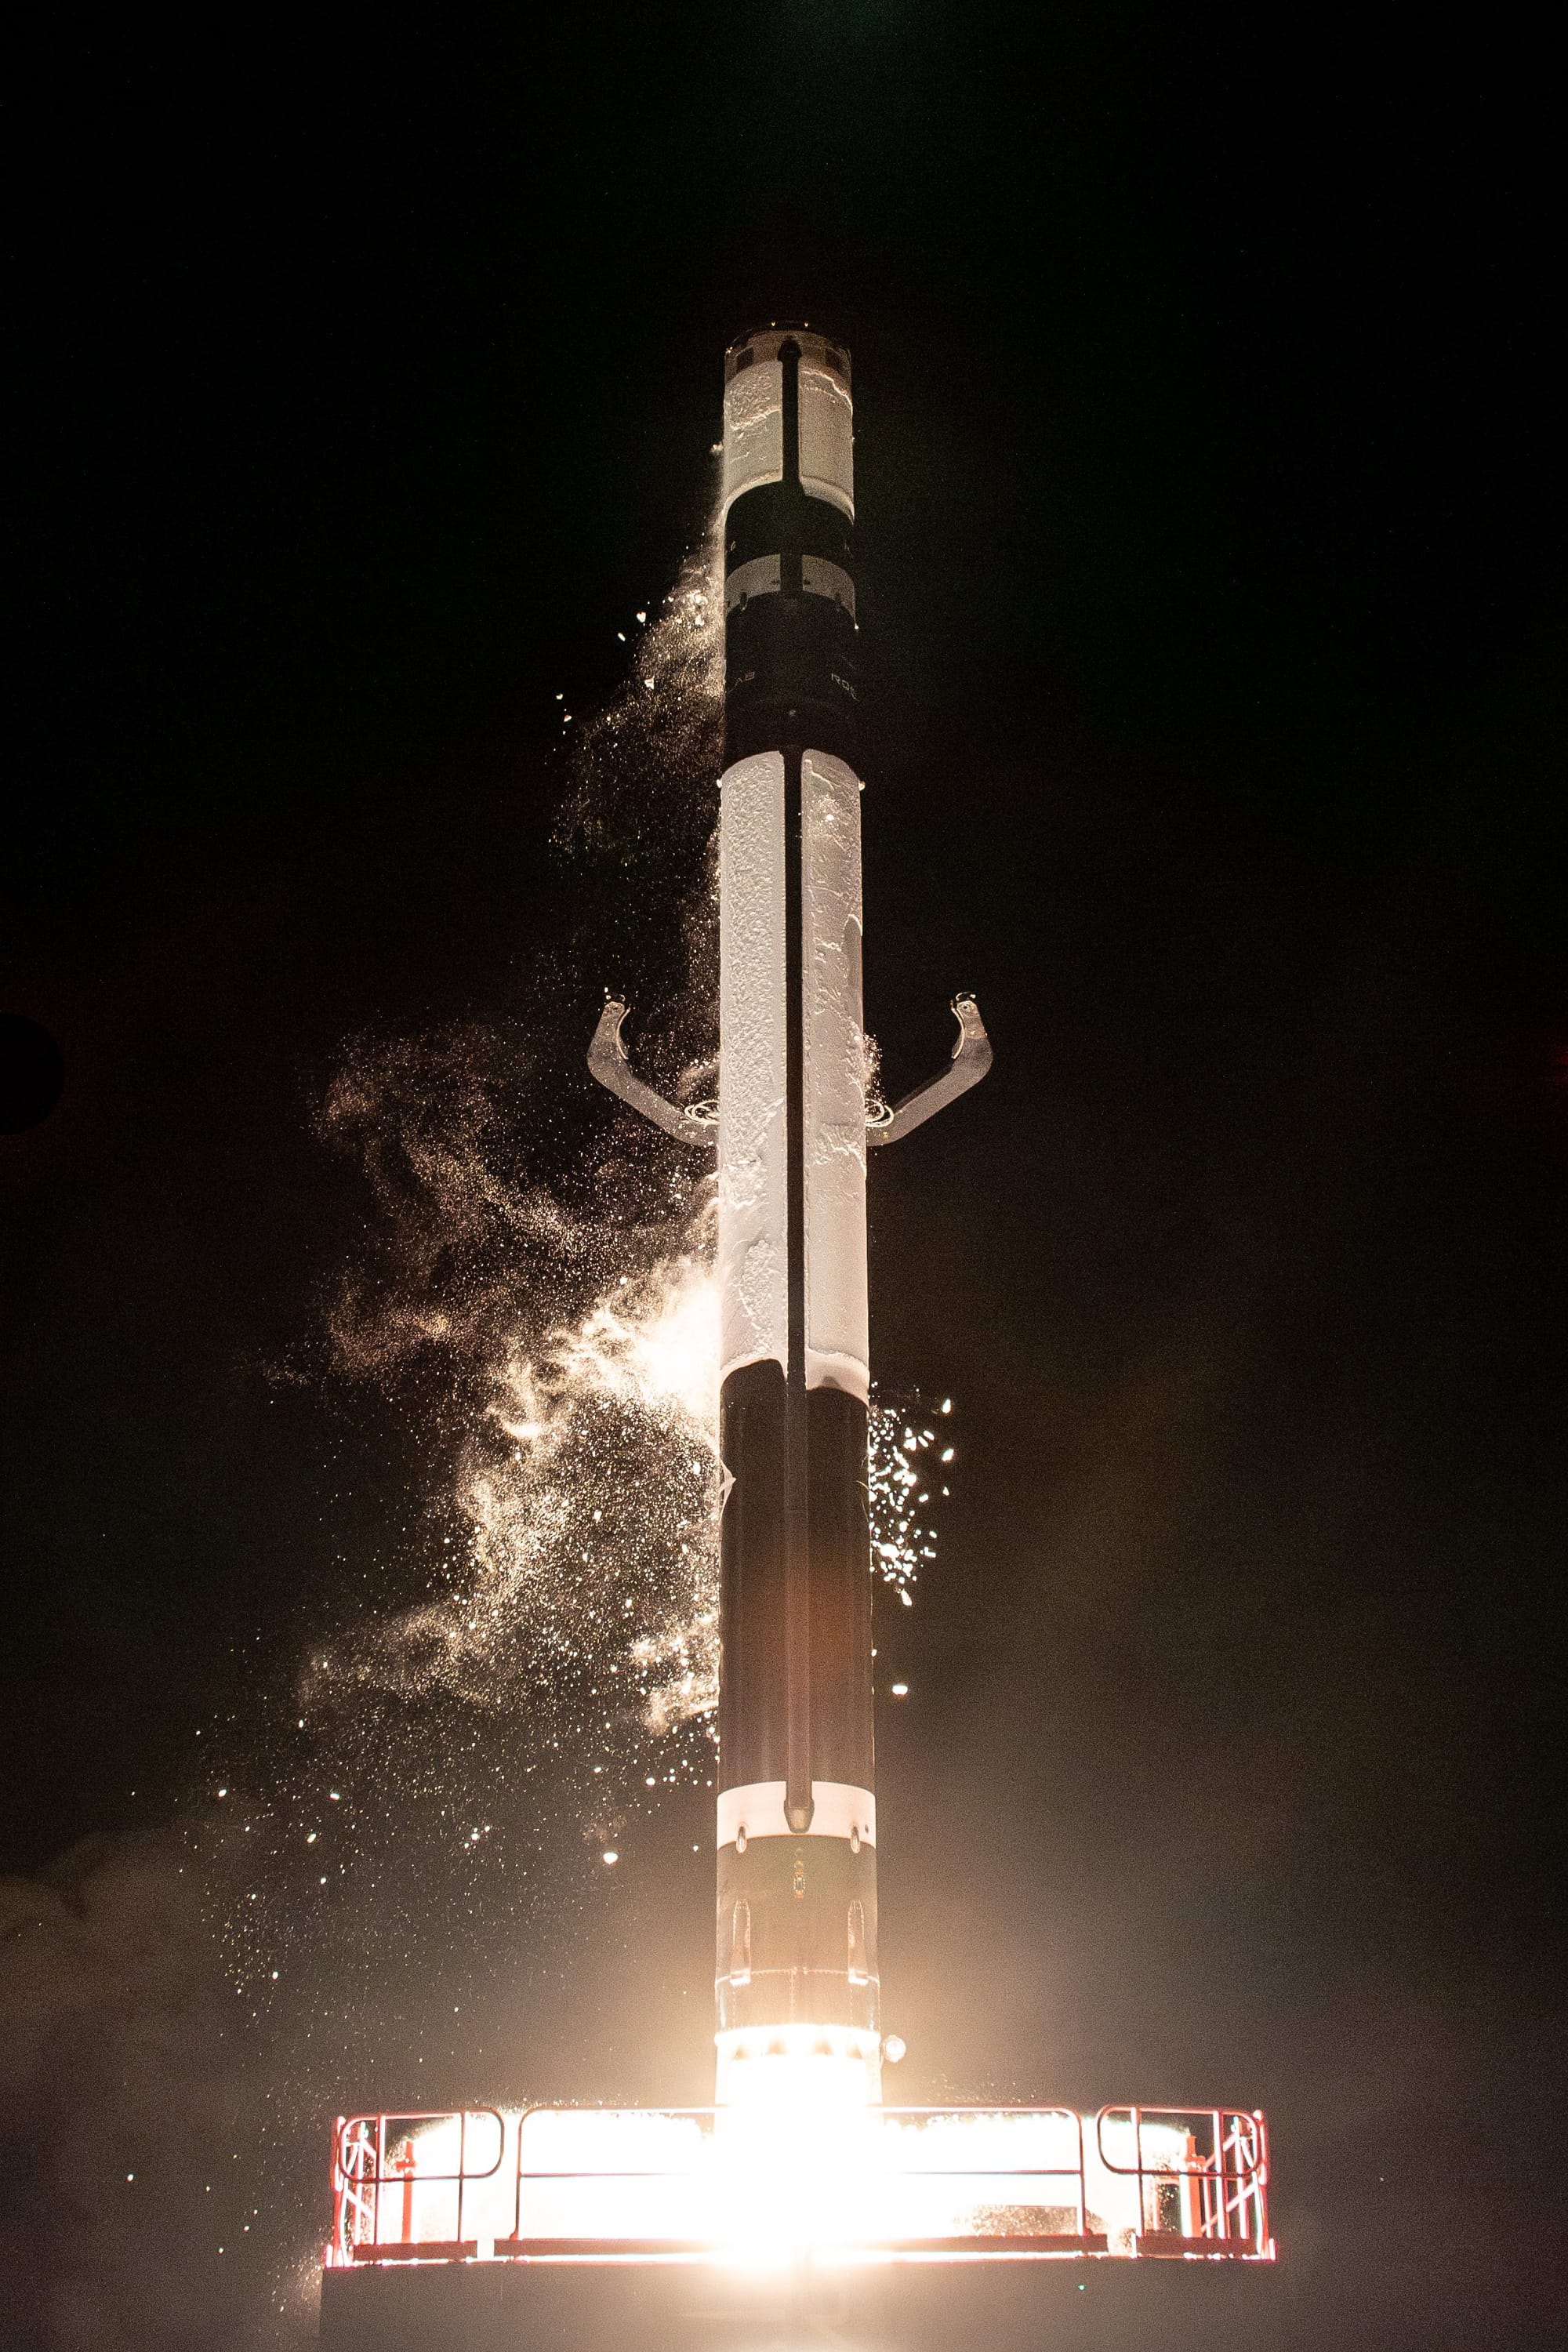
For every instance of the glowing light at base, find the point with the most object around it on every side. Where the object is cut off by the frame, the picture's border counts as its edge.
(807, 2073)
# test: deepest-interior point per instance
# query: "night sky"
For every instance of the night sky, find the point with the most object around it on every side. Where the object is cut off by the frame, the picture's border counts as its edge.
(1210, 582)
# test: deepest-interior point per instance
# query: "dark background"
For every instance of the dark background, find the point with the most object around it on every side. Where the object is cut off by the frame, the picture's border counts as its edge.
(366, 384)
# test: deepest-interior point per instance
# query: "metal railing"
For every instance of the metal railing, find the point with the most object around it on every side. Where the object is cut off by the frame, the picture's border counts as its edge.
(1200, 2190)
(372, 2153)
(1213, 2199)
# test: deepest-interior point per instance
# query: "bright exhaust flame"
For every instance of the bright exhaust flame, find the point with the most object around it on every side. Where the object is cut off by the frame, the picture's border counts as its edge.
(798, 2075)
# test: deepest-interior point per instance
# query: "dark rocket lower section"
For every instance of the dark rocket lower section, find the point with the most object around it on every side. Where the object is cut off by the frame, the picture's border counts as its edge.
(831, 1576)
(796, 1913)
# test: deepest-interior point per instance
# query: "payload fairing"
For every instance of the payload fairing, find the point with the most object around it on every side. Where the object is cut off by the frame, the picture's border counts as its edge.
(796, 1967)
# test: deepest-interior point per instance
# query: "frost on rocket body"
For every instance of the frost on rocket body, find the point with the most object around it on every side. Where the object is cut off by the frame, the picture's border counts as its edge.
(752, 1195)
(826, 439)
(838, 1344)
(753, 429)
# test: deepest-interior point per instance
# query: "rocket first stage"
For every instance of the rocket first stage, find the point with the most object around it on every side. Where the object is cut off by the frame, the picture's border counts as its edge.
(796, 1959)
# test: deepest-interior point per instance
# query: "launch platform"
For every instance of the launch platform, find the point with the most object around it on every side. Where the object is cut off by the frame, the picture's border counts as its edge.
(900, 2226)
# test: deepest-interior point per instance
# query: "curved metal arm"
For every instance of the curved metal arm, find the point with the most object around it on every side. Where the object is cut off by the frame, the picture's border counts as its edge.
(970, 1060)
(607, 1060)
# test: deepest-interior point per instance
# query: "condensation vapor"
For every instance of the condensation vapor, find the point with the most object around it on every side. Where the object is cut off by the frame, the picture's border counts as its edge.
(587, 1493)
(540, 1274)
(544, 1281)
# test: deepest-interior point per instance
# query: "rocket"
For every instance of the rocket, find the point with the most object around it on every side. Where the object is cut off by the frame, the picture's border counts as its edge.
(797, 1973)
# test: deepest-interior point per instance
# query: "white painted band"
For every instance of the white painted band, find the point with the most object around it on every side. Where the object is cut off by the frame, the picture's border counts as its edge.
(817, 578)
(758, 1809)
(762, 577)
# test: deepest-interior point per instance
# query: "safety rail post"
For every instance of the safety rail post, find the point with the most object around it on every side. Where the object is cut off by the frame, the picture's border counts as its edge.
(360, 2170)
(353, 2187)
(1228, 2201)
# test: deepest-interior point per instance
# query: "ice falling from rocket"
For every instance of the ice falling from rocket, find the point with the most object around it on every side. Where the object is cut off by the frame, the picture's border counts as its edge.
(797, 1973)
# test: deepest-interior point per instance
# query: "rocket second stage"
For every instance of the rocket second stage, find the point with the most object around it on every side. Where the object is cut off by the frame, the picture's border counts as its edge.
(797, 1970)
